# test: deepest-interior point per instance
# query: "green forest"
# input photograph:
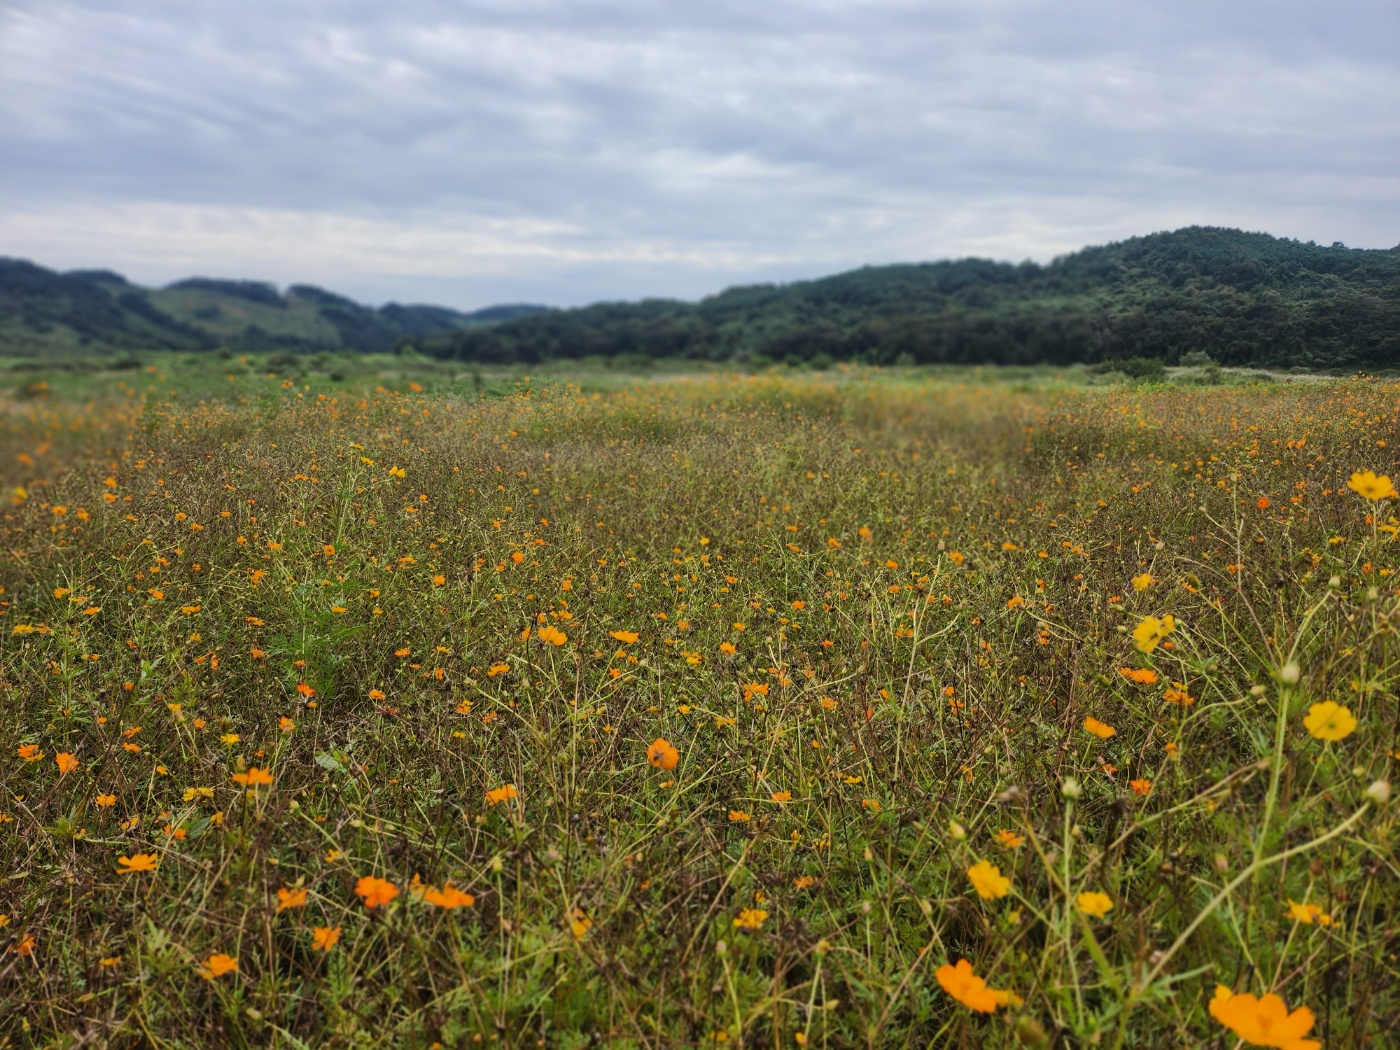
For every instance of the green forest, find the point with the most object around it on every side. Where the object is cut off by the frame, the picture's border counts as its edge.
(1241, 299)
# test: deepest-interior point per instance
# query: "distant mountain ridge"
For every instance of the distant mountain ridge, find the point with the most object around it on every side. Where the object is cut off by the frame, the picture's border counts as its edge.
(1241, 298)
(43, 311)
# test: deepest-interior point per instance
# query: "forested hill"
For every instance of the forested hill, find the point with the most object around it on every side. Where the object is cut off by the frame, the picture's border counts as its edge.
(1242, 298)
(89, 311)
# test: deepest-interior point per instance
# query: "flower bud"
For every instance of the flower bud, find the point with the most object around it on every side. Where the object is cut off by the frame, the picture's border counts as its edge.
(957, 831)
(1290, 672)
(1379, 792)
(1070, 788)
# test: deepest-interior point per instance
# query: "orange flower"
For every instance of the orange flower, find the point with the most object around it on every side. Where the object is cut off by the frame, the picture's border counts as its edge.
(140, 862)
(253, 777)
(376, 694)
(552, 635)
(781, 796)
(217, 965)
(1102, 730)
(66, 763)
(1262, 503)
(804, 882)
(967, 988)
(1142, 787)
(750, 919)
(106, 800)
(988, 880)
(290, 898)
(30, 752)
(375, 892)
(1010, 839)
(324, 938)
(1140, 675)
(728, 648)
(1265, 1021)
(448, 897)
(501, 794)
(738, 815)
(495, 669)
(625, 637)
(662, 755)
(305, 690)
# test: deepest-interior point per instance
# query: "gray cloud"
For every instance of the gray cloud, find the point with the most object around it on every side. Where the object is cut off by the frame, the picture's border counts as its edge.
(473, 151)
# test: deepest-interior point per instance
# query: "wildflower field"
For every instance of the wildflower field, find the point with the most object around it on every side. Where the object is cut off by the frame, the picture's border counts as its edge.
(868, 709)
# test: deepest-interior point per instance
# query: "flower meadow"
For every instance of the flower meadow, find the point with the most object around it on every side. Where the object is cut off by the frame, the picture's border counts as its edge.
(859, 710)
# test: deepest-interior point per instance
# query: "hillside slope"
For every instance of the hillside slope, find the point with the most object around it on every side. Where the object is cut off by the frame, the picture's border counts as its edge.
(1243, 298)
(82, 311)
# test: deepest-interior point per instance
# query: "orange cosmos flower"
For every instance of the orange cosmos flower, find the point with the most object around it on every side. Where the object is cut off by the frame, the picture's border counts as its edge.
(625, 637)
(738, 815)
(140, 862)
(1102, 730)
(1140, 675)
(1094, 904)
(376, 694)
(66, 763)
(1142, 787)
(728, 648)
(106, 800)
(1010, 839)
(781, 796)
(375, 892)
(30, 752)
(804, 882)
(290, 898)
(662, 755)
(305, 690)
(495, 669)
(552, 635)
(448, 897)
(217, 965)
(324, 938)
(253, 777)
(1265, 1021)
(501, 794)
(963, 985)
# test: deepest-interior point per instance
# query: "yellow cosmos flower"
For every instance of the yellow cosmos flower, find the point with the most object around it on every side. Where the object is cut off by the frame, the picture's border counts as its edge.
(1329, 720)
(1150, 632)
(1141, 583)
(988, 880)
(1370, 485)
(1094, 904)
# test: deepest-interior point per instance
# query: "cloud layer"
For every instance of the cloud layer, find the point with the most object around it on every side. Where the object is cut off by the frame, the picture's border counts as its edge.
(470, 152)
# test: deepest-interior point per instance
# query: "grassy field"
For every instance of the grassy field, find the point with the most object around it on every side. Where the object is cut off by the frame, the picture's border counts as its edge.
(410, 708)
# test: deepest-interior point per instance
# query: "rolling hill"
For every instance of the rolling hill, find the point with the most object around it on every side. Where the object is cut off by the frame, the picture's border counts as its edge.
(43, 312)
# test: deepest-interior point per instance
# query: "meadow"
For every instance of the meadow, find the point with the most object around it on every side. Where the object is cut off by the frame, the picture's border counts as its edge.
(874, 708)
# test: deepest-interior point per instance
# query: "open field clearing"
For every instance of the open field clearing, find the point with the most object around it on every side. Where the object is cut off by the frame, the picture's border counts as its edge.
(716, 711)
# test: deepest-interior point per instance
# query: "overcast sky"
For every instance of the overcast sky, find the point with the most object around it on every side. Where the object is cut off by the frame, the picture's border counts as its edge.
(475, 152)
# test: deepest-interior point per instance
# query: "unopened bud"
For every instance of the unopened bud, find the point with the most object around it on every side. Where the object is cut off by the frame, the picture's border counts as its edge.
(1290, 672)
(957, 831)
(721, 947)
(1379, 792)
(1070, 788)
(1334, 582)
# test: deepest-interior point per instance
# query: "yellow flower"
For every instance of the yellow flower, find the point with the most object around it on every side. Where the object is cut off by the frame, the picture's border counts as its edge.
(1141, 583)
(1369, 485)
(1329, 720)
(1308, 914)
(501, 794)
(1263, 1022)
(1149, 633)
(988, 880)
(750, 919)
(1094, 904)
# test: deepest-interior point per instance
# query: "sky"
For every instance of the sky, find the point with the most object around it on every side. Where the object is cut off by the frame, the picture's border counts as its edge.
(475, 152)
